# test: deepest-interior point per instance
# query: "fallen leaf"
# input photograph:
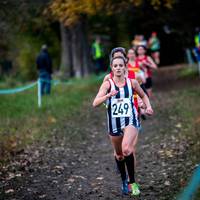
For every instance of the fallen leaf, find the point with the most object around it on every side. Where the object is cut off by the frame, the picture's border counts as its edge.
(169, 153)
(59, 167)
(42, 196)
(100, 178)
(178, 125)
(75, 176)
(197, 120)
(51, 120)
(9, 191)
(167, 183)
(70, 180)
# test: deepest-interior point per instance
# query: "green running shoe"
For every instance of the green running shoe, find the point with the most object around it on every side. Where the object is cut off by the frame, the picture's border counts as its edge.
(135, 189)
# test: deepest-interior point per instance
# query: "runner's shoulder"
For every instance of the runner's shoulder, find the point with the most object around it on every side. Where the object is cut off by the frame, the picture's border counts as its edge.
(106, 84)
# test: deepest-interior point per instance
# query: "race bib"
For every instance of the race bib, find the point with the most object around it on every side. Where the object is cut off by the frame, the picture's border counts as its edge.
(121, 107)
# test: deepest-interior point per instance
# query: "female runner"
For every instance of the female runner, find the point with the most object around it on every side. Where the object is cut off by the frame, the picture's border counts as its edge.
(122, 118)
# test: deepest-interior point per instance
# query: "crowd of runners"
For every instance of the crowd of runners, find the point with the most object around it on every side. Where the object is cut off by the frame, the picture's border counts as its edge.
(126, 92)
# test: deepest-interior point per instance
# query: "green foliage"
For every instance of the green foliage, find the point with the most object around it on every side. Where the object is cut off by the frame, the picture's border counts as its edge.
(70, 11)
(189, 72)
(26, 57)
(187, 109)
(28, 46)
(8, 82)
(24, 33)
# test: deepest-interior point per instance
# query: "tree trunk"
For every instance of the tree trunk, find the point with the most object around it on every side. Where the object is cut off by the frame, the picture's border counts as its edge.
(75, 59)
(66, 53)
(87, 63)
(77, 50)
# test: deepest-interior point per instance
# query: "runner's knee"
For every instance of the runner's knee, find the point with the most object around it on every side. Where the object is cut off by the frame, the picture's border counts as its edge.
(127, 149)
(119, 156)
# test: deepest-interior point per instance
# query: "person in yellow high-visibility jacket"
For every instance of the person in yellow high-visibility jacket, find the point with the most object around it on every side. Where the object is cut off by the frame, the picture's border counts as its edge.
(197, 37)
(97, 55)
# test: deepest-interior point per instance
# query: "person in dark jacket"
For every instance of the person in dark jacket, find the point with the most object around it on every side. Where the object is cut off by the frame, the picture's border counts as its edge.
(44, 66)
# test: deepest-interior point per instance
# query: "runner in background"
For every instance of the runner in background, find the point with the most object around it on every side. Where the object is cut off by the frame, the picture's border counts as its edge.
(117, 51)
(146, 64)
(134, 72)
(154, 47)
(122, 120)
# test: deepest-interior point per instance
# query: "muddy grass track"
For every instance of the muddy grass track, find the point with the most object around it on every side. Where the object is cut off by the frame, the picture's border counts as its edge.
(77, 161)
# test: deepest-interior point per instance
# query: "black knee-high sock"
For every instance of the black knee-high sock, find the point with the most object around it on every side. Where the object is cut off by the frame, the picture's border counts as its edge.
(121, 167)
(129, 160)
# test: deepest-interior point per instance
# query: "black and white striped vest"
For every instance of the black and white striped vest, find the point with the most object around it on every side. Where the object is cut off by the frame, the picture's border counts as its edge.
(121, 111)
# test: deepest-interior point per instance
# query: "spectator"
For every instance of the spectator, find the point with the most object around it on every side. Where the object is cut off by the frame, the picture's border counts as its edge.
(196, 49)
(136, 41)
(97, 55)
(197, 37)
(154, 46)
(44, 66)
(142, 41)
(139, 40)
(196, 52)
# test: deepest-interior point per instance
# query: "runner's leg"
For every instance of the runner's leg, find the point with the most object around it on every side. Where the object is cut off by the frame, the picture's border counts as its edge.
(119, 158)
(129, 139)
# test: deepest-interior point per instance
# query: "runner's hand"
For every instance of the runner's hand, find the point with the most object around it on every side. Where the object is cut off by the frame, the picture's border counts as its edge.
(149, 111)
(141, 104)
(146, 63)
(112, 93)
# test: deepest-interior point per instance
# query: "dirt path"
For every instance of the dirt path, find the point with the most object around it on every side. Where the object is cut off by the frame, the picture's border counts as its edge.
(77, 162)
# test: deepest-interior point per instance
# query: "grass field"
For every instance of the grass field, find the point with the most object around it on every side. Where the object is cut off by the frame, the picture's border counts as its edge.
(22, 121)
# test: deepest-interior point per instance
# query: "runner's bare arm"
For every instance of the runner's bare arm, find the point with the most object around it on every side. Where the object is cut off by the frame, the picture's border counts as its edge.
(143, 96)
(151, 63)
(102, 95)
(106, 78)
